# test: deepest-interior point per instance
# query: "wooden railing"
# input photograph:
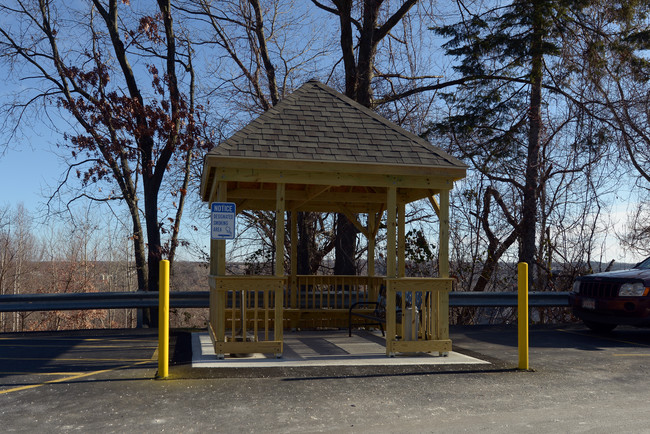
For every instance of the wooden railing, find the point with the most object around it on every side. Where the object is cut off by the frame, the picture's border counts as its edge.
(423, 307)
(307, 302)
(331, 292)
(323, 301)
(248, 313)
(244, 310)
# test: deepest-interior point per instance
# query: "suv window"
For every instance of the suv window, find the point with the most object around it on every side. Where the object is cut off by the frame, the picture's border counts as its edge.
(644, 265)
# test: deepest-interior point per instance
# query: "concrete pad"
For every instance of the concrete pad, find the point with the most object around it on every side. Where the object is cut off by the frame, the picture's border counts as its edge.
(324, 349)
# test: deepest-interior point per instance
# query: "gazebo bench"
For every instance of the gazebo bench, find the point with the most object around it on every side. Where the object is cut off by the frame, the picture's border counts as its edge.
(378, 315)
(373, 317)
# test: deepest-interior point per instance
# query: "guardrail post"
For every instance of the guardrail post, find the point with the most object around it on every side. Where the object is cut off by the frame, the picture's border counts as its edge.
(522, 315)
(163, 320)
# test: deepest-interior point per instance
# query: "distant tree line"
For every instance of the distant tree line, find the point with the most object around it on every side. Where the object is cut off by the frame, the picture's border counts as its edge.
(84, 255)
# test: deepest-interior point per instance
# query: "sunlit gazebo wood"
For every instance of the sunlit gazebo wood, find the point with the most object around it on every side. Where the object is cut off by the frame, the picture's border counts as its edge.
(318, 150)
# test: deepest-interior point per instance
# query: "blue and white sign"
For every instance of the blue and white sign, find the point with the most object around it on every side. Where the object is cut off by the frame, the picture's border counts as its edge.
(222, 218)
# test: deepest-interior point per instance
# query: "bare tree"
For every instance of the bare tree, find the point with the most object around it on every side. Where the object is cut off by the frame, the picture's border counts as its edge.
(372, 22)
(616, 85)
(18, 252)
(128, 131)
(262, 49)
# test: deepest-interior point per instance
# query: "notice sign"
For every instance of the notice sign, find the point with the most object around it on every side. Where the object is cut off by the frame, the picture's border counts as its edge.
(222, 221)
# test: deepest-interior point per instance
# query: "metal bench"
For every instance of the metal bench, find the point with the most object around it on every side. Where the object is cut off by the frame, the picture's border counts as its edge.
(374, 317)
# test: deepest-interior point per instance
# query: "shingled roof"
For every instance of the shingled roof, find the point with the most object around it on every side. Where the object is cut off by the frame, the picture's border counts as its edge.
(316, 123)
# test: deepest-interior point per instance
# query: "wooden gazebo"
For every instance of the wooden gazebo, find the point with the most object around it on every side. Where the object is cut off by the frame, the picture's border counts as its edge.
(318, 150)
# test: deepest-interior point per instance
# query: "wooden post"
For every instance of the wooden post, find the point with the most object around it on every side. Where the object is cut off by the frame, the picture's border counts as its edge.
(391, 232)
(218, 268)
(401, 240)
(293, 279)
(442, 305)
(391, 269)
(279, 258)
(443, 258)
(372, 222)
(279, 230)
(373, 290)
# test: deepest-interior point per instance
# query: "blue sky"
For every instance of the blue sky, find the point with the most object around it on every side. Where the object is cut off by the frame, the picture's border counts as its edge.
(28, 175)
(29, 169)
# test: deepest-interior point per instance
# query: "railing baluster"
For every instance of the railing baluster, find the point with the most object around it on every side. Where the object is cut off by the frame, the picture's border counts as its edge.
(348, 289)
(256, 296)
(329, 296)
(266, 315)
(232, 314)
(414, 317)
(300, 291)
(244, 322)
(338, 288)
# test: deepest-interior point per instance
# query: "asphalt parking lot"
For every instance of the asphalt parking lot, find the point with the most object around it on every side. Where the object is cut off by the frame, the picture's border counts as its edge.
(104, 381)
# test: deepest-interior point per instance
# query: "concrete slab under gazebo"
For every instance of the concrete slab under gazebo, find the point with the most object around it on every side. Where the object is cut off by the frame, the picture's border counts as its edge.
(319, 151)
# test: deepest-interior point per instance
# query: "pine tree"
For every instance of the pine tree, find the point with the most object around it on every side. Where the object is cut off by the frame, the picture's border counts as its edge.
(508, 55)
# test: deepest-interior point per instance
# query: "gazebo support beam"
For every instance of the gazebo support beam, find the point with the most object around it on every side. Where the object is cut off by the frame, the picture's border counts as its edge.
(379, 214)
(324, 176)
(443, 267)
(443, 259)
(434, 203)
(401, 239)
(352, 217)
(279, 259)
(219, 262)
(391, 207)
(279, 230)
(218, 268)
(312, 194)
(293, 280)
(372, 223)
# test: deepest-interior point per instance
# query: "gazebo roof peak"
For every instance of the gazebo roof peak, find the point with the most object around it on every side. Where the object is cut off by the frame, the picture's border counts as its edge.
(316, 123)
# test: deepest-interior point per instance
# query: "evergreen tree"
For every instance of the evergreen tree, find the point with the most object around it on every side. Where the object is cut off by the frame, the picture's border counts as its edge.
(510, 58)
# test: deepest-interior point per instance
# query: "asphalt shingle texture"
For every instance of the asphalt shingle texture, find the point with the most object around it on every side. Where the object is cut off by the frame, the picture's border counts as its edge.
(317, 123)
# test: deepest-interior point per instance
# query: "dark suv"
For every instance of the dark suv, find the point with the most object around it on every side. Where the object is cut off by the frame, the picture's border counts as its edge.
(604, 300)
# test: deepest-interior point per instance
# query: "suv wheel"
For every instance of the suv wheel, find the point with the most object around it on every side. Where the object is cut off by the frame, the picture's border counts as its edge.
(600, 327)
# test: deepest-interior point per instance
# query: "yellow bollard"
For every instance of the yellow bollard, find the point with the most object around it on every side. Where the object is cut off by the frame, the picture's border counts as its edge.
(163, 320)
(522, 315)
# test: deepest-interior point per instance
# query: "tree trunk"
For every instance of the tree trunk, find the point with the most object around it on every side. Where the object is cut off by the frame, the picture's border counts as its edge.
(529, 206)
(367, 51)
(306, 243)
(358, 80)
(346, 242)
(495, 249)
(347, 47)
(187, 168)
(138, 245)
(154, 249)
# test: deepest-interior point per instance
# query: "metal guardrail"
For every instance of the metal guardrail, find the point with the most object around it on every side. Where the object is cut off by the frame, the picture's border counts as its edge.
(99, 300)
(507, 299)
(200, 299)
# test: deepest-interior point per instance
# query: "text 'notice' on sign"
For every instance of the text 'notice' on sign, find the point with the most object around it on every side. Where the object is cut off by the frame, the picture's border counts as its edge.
(222, 220)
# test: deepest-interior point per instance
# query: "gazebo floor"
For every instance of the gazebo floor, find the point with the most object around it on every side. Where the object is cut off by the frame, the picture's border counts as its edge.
(331, 348)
